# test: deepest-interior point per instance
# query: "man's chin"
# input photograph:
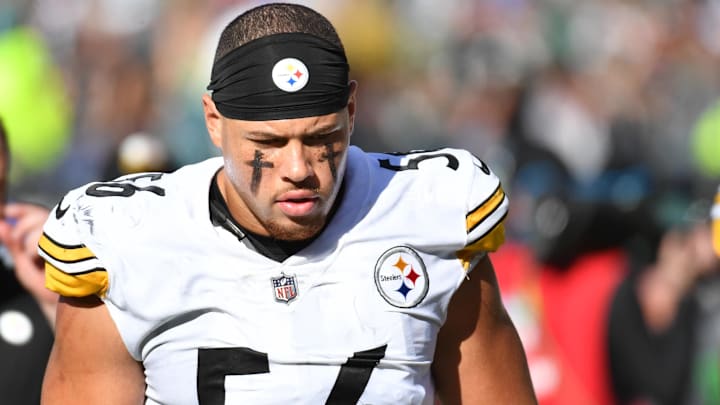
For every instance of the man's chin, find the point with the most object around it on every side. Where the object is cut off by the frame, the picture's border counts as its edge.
(294, 230)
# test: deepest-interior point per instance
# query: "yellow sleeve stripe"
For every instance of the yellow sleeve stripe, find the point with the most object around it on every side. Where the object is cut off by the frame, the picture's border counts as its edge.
(488, 243)
(76, 285)
(478, 215)
(64, 253)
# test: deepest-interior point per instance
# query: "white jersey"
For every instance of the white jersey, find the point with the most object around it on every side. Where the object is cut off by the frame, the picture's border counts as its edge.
(351, 318)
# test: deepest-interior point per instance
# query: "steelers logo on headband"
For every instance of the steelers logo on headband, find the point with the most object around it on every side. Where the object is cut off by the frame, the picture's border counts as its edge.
(269, 78)
(290, 75)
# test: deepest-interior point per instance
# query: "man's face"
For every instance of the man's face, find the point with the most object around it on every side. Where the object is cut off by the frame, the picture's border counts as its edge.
(281, 177)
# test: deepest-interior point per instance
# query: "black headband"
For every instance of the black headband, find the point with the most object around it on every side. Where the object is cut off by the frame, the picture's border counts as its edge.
(280, 76)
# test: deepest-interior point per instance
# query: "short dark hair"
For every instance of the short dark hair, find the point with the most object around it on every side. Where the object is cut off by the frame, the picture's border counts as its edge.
(274, 18)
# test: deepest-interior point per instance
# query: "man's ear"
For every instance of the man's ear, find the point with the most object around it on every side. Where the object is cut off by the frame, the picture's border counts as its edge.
(213, 120)
(352, 105)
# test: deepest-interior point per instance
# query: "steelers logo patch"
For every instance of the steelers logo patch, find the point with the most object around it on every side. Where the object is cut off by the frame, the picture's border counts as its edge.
(401, 277)
(290, 75)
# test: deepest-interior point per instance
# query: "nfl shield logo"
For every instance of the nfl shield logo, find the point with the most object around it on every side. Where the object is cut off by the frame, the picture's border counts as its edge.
(285, 288)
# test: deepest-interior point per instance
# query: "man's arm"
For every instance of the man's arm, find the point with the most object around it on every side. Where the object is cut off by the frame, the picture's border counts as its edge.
(89, 363)
(479, 358)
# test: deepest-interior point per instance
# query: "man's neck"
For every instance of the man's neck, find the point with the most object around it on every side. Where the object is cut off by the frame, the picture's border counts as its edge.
(275, 249)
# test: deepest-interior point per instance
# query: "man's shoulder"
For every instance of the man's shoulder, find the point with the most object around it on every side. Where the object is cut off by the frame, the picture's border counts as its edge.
(439, 165)
(134, 198)
(446, 170)
(447, 157)
(449, 190)
(146, 187)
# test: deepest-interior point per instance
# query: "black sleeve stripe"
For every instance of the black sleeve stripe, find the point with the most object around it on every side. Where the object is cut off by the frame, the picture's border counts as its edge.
(489, 231)
(64, 253)
(485, 209)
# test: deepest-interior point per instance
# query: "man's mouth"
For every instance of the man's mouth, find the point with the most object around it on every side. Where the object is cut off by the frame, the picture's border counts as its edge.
(298, 203)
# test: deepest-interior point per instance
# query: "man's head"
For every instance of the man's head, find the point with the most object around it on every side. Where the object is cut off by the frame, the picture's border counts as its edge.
(282, 110)
(273, 19)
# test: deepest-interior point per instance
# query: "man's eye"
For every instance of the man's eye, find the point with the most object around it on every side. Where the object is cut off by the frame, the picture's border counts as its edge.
(267, 142)
(319, 139)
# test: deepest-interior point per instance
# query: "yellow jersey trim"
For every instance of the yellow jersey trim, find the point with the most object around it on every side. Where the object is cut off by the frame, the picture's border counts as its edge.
(64, 253)
(488, 243)
(76, 285)
(476, 216)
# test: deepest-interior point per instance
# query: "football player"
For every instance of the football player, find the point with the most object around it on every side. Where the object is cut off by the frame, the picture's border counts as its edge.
(295, 268)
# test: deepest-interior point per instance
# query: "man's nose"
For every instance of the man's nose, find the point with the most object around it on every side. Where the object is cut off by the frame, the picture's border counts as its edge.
(297, 164)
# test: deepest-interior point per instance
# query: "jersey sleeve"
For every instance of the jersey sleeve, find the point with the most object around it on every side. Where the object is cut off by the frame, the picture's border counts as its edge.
(487, 207)
(715, 216)
(71, 267)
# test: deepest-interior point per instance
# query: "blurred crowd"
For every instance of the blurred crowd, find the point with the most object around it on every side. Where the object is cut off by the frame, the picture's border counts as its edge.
(602, 118)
